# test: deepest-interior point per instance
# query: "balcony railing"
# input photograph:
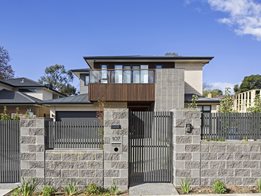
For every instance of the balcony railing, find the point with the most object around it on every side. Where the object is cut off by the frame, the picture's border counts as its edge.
(121, 76)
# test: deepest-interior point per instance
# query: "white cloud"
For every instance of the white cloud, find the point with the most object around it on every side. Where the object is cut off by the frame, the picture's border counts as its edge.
(243, 15)
(220, 85)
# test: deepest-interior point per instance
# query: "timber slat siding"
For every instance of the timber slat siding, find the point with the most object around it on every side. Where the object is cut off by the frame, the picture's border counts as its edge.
(122, 92)
(9, 151)
(231, 126)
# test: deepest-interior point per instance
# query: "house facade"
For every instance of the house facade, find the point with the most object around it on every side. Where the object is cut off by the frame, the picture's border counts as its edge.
(243, 101)
(27, 95)
(143, 83)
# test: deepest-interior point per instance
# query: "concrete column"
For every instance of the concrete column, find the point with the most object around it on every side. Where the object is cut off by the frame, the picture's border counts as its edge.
(116, 145)
(32, 149)
(186, 146)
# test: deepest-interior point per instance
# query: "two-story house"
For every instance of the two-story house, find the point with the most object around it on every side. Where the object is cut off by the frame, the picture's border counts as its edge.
(27, 95)
(144, 83)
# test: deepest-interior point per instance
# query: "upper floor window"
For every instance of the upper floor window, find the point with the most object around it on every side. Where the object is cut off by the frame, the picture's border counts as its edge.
(118, 73)
(158, 66)
(86, 80)
(104, 74)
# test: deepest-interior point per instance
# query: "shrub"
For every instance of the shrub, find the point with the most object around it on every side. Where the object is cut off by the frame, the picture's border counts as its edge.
(114, 189)
(16, 192)
(219, 187)
(48, 190)
(27, 188)
(70, 189)
(92, 189)
(185, 186)
(259, 185)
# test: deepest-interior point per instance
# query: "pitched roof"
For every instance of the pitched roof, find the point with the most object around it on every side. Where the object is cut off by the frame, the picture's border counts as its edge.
(26, 82)
(16, 97)
(76, 99)
(188, 98)
(23, 82)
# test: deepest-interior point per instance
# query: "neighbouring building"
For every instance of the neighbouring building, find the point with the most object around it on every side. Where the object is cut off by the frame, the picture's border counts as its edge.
(143, 83)
(243, 101)
(27, 95)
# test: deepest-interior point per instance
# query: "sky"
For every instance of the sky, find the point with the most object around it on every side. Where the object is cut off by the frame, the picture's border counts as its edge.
(42, 33)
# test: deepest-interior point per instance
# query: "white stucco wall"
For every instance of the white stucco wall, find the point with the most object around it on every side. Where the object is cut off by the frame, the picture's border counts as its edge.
(41, 94)
(193, 77)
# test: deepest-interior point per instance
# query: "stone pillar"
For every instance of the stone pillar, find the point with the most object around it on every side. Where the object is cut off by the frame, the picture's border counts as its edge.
(32, 149)
(116, 145)
(186, 146)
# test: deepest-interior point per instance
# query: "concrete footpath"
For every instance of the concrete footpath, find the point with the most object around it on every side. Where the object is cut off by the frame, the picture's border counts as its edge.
(153, 189)
(4, 191)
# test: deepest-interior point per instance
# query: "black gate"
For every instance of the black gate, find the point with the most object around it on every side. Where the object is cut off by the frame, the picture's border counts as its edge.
(150, 147)
(9, 151)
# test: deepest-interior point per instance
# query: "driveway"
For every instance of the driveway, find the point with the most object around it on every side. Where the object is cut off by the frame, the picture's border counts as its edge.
(153, 189)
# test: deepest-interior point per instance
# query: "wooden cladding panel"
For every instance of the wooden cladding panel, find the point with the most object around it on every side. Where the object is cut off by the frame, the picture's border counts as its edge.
(122, 92)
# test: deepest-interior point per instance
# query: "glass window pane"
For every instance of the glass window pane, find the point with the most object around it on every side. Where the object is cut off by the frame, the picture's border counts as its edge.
(104, 74)
(118, 73)
(144, 73)
(86, 80)
(136, 74)
(127, 74)
(158, 66)
(206, 108)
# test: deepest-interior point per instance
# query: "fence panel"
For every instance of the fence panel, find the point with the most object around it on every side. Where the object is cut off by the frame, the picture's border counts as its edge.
(231, 126)
(9, 151)
(74, 134)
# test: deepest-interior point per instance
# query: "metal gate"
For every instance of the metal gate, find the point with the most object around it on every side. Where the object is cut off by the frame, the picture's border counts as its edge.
(150, 147)
(9, 151)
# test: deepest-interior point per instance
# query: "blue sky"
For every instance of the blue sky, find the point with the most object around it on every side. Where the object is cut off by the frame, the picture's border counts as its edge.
(41, 33)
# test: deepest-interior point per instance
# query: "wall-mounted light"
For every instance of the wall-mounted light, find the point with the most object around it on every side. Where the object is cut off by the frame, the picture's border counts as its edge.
(189, 128)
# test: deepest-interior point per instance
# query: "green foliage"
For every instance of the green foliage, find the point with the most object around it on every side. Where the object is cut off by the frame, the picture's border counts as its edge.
(257, 105)
(16, 116)
(214, 93)
(219, 187)
(27, 188)
(5, 115)
(58, 78)
(92, 189)
(250, 82)
(226, 104)
(185, 186)
(236, 89)
(193, 104)
(6, 71)
(16, 192)
(114, 189)
(258, 184)
(70, 189)
(48, 190)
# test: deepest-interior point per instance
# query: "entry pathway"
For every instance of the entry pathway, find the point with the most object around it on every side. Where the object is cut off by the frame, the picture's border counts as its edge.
(4, 191)
(153, 189)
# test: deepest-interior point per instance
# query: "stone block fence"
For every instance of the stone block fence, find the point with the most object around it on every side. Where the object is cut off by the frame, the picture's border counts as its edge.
(201, 162)
(104, 167)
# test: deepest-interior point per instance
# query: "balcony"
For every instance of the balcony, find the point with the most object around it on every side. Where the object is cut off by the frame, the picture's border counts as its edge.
(122, 85)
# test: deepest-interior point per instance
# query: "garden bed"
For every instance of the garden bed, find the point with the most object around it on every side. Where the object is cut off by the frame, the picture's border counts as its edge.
(230, 190)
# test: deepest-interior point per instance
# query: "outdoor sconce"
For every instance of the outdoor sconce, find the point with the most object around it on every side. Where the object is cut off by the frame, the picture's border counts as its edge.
(189, 128)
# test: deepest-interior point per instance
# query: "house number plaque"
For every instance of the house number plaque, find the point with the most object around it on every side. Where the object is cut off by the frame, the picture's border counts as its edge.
(116, 139)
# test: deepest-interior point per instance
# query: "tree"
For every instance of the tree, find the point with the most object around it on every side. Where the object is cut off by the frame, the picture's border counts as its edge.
(6, 71)
(193, 104)
(250, 82)
(236, 89)
(226, 104)
(257, 106)
(214, 92)
(58, 78)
